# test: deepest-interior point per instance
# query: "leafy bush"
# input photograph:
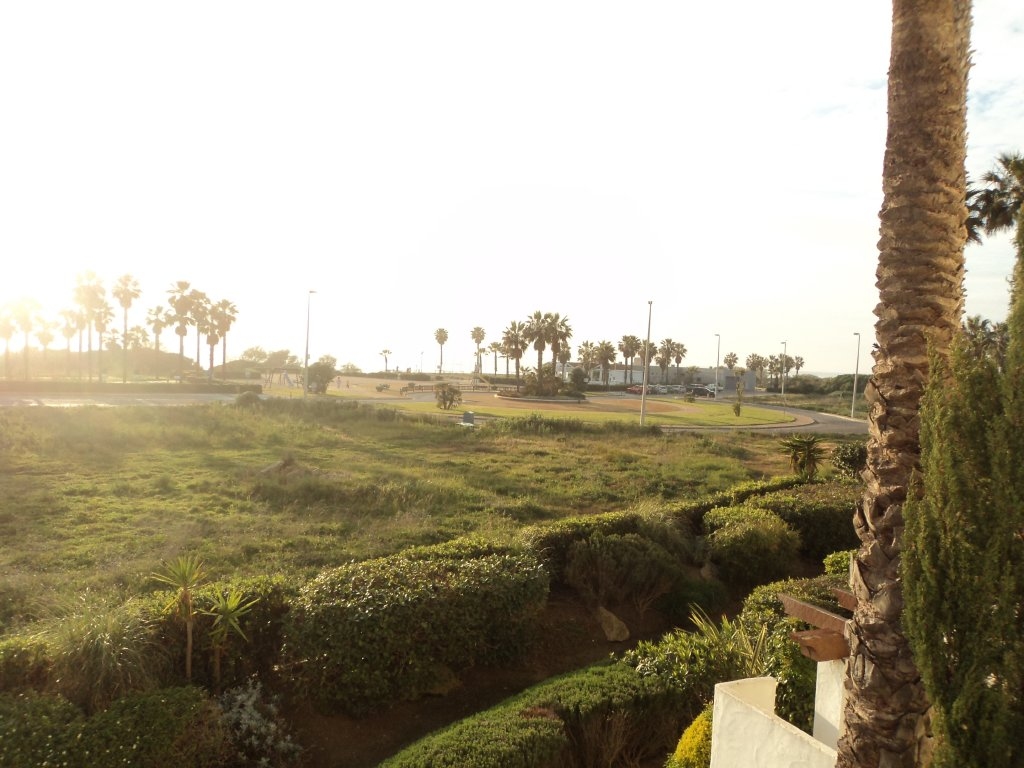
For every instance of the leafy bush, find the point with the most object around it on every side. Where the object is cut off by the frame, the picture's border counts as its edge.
(694, 748)
(36, 729)
(610, 570)
(24, 663)
(753, 550)
(167, 727)
(822, 513)
(370, 633)
(603, 715)
(849, 459)
(838, 563)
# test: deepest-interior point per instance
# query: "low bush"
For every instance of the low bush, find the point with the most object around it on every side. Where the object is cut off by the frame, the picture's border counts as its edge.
(849, 459)
(36, 730)
(822, 513)
(603, 715)
(368, 634)
(838, 563)
(24, 663)
(694, 747)
(753, 549)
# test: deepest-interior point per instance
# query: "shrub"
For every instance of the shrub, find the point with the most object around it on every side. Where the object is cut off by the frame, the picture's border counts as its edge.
(694, 748)
(370, 633)
(753, 550)
(602, 715)
(822, 513)
(24, 663)
(258, 733)
(167, 727)
(838, 563)
(36, 729)
(849, 459)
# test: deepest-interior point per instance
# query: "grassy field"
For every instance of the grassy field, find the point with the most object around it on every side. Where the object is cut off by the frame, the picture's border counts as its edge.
(95, 499)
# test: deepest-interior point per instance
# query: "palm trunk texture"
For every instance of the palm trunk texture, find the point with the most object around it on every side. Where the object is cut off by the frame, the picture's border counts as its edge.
(920, 281)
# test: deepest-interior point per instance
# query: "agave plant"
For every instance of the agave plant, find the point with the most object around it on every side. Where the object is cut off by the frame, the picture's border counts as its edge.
(805, 454)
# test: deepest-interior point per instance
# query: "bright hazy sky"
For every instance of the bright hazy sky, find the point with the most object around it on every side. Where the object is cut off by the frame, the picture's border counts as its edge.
(453, 164)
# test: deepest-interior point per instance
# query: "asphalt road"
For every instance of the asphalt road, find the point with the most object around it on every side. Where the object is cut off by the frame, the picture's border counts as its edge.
(806, 421)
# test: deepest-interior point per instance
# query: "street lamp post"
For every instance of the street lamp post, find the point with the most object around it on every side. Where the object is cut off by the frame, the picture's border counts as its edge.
(718, 351)
(782, 369)
(305, 372)
(647, 365)
(856, 370)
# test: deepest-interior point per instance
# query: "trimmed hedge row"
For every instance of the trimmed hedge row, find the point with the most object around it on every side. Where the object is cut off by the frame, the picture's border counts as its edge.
(750, 546)
(604, 715)
(375, 632)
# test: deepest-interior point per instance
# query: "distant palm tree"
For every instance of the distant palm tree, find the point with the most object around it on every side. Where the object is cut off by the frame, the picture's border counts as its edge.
(1000, 202)
(606, 354)
(666, 352)
(798, 363)
(384, 353)
(495, 347)
(89, 294)
(730, 361)
(564, 357)
(558, 333)
(199, 309)
(125, 291)
(514, 343)
(24, 312)
(180, 317)
(629, 346)
(44, 333)
(7, 329)
(102, 317)
(536, 333)
(588, 357)
(223, 315)
(478, 335)
(647, 351)
(678, 353)
(72, 324)
(441, 337)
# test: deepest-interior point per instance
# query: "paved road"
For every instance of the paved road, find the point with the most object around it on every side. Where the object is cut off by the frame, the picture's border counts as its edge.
(806, 421)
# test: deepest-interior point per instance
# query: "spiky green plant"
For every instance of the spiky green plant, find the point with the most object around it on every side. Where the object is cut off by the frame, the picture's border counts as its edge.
(185, 575)
(226, 612)
(805, 454)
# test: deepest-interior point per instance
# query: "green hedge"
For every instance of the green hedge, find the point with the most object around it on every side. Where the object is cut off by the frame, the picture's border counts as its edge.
(821, 512)
(371, 633)
(752, 547)
(603, 715)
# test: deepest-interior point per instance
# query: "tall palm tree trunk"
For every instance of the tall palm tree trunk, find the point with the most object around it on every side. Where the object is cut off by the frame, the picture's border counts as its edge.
(920, 281)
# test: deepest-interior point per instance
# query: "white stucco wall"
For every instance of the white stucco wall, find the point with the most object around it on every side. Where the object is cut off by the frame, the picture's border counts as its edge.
(747, 734)
(828, 702)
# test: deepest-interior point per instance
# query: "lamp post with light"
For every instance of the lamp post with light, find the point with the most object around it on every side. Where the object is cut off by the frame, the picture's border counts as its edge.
(782, 369)
(305, 372)
(856, 370)
(718, 352)
(647, 365)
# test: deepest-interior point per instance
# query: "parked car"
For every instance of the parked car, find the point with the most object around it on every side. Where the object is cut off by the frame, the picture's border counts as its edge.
(702, 391)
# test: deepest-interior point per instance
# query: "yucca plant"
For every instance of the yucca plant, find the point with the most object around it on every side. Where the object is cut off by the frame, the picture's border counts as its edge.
(226, 611)
(185, 575)
(805, 454)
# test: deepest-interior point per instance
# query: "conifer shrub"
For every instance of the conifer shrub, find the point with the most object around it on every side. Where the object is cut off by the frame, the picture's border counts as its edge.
(694, 747)
(371, 633)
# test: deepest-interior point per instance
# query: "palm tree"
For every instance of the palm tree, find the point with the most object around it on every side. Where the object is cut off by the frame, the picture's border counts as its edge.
(180, 317)
(536, 332)
(919, 275)
(441, 336)
(72, 324)
(1000, 201)
(564, 357)
(497, 348)
(513, 341)
(678, 354)
(199, 310)
(478, 335)
(587, 357)
(45, 336)
(756, 363)
(384, 353)
(223, 315)
(666, 353)
(89, 294)
(730, 360)
(103, 314)
(629, 346)
(647, 351)
(558, 332)
(23, 314)
(606, 354)
(158, 318)
(7, 329)
(125, 291)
